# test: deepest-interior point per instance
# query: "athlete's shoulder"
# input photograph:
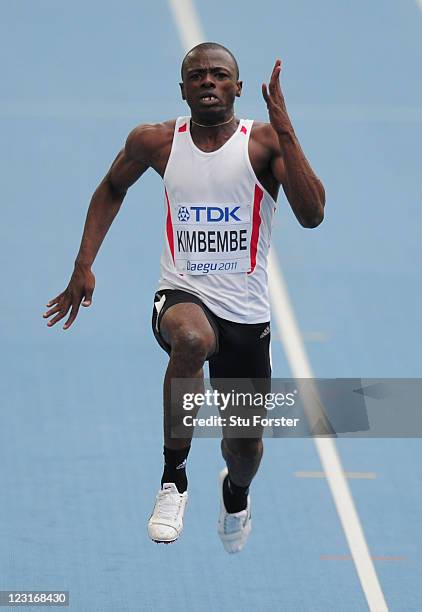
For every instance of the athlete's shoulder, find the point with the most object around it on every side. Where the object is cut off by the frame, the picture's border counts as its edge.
(264, 133)
(147, 139)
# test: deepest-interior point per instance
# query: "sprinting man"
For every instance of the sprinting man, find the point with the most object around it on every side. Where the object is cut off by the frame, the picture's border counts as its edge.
(221, 179)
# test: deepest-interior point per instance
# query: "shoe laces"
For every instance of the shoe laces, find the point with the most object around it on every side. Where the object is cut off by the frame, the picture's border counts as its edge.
(235, 522)
(168, 504)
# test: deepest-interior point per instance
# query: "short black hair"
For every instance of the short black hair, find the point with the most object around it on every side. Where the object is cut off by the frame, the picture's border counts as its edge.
(210, 45)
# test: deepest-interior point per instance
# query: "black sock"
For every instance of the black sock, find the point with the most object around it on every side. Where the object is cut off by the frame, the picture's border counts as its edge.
(175, 467)
(235, 498)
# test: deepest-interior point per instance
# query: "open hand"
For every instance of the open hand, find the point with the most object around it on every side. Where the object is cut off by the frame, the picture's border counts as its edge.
(79, 290)
(274, 98)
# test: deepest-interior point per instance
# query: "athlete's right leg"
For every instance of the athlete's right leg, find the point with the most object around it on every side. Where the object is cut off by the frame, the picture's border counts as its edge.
(190, 339)
(186, 329)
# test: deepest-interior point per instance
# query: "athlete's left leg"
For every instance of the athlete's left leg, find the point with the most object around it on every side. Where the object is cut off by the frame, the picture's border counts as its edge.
(244, 354)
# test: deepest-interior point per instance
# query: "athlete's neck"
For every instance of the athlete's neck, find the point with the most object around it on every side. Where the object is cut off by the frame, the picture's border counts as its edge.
(211, 137)
(212, 125)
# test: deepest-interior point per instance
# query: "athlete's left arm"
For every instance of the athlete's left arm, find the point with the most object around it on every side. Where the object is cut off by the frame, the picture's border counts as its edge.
(289, 165)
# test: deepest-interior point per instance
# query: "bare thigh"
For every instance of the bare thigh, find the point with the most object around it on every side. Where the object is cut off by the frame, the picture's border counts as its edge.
(184, 326)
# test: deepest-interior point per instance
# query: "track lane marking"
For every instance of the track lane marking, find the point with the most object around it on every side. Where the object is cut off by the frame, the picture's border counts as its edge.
(351, 475)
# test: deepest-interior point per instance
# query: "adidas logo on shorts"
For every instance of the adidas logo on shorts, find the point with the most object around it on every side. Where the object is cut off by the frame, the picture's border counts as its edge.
(265, 332)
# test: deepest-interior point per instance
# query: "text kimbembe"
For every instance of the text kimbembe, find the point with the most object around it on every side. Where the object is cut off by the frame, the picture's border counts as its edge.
(236, 421)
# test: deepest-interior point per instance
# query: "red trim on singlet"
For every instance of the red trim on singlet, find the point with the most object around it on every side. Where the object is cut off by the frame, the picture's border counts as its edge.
(256, 223)
(169, 227)
(243, 130)
(183, 127)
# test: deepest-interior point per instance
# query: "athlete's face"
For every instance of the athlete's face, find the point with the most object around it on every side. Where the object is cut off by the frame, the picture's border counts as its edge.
(210, 83)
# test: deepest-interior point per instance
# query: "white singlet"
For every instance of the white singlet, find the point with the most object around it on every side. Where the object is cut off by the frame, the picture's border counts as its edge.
(218, 226)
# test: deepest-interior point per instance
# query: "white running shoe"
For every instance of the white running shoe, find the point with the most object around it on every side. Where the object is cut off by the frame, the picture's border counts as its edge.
(166, 522)
(234, 528)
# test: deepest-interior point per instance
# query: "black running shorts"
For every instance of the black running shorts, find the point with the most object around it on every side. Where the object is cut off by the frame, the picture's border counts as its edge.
(242, 350)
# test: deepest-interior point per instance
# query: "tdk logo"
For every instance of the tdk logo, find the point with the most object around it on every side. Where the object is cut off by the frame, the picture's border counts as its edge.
(209, 214)
(183, 214)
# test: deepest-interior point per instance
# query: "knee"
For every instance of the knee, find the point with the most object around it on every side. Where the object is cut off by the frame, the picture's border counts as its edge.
(192, 346)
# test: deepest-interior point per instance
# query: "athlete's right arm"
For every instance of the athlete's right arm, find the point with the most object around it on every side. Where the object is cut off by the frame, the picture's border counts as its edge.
(132, 161)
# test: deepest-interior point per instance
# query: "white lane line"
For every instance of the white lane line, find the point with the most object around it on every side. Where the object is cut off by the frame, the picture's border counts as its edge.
(190, 32)
(187, 23)
(351, 475)
(374, 557)
(326, 447)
